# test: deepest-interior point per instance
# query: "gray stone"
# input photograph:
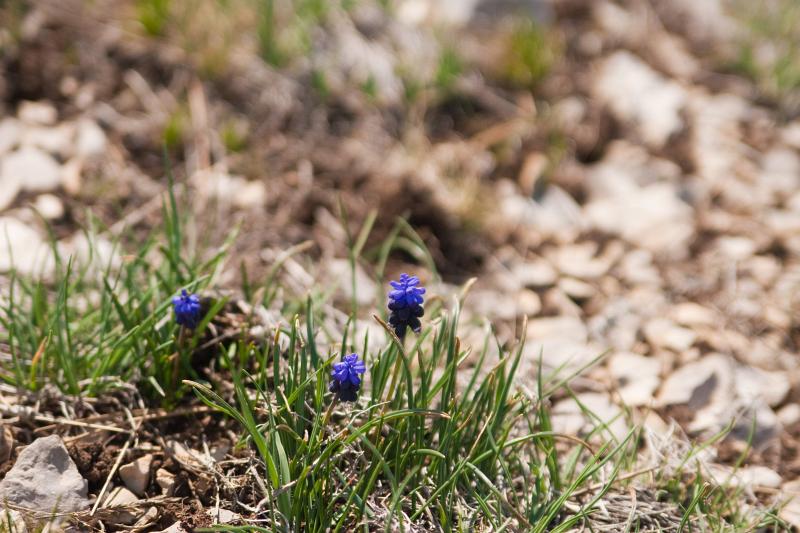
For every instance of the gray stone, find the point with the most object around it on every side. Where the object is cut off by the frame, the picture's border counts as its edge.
(45, 478)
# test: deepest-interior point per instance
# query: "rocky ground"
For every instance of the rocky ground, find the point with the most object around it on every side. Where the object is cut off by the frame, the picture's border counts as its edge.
(639, 200)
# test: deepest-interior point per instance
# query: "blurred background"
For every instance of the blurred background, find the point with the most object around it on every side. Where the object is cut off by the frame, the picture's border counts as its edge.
(624, 173)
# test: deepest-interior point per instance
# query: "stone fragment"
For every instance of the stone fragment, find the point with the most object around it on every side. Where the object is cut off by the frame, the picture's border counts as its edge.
(223, 516)
(38, 113)
(23, 248)
(122, 497)
(692, 314)
(49, 206)
(32, 168)
(91, 140)
(789, 414)
(753, 384)
(136, 475)
(653, 217)
(10, 187)
(535, 274)
(636, 377)
(576, 289)
(663, 333)
(166, 480)
(10, 134)
(44, 477)
(749, 477)
(638, 95)
(699, 383)
(586, 412)
(56, 140)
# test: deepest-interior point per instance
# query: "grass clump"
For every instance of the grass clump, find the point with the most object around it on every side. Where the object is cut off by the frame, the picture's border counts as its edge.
(438, 435)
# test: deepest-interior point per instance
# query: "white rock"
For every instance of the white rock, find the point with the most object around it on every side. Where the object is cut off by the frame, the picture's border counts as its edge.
(692, 314)
(136, 475)
(555, 213)
(653, 217)
(49, 206)
(10, 134)
(579, 261)
(22, 248)
(235, 189)
(537, 273)
(746, 477)
(562, 343)
(663, 333)
(71, 176)
(528, 303)
(557, 327)
(44, 477)
(636, 376)
(569, 416)
(717, 146)
(10, 187)
(780, 171)
(119, 496)
(754, 383)
(58, 140)
(637, 268)
(223, 516)
(166, 480)
(637, 94)
(755, 423)
(34, 169)
(41, 113)
(700, 383)
(148, 518)
(789, 414)
(735, 248)
(576, 289)
(91, 139)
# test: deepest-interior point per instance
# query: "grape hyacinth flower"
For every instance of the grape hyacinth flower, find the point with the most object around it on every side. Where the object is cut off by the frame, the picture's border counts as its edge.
(346, 377)
(405, 304)
(187, 309)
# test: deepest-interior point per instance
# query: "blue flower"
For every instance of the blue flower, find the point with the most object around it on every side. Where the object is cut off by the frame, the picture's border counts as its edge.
(405, 304)
(346, 377)
(187, 309)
